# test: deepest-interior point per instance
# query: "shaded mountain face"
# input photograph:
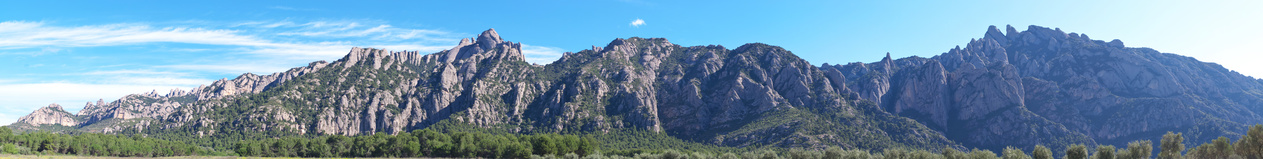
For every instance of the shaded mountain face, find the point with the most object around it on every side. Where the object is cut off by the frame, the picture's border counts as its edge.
(1043, 86)
(1039, 86)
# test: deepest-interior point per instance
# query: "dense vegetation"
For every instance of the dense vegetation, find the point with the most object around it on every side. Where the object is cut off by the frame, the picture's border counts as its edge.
(421, 143)
(433, 143)
(93, 144)
(429, 143)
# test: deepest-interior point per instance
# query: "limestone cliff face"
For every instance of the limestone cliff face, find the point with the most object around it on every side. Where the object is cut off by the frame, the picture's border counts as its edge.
(1039, 86)
(971, 94)
(52, 114)
(1110, 92)
(737, 97)
(101, 116)
(1044, 86)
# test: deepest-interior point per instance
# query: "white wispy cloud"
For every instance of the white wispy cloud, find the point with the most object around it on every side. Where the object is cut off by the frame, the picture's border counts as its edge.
(256, 68)
(144, 77)
(116, 72)
(2, 81)
(353, 29)
(22, 34)
(541, 54)
(637, 23)
(258, 37)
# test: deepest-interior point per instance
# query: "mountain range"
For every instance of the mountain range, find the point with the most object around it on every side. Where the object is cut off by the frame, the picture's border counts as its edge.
(1040, 86)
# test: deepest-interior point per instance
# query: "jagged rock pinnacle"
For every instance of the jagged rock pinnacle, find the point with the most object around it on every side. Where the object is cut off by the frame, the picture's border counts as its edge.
(1009, 31)
(994, 34)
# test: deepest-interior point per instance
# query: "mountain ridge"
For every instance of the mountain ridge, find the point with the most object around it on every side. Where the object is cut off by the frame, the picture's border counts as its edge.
(1011, 88)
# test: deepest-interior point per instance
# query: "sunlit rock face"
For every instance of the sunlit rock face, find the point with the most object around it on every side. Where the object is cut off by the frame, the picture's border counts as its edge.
(1040, 86)
(52, 114)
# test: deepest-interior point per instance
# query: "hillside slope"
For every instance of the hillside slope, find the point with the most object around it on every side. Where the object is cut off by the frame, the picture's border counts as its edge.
(1044, 86)
(1039, 86)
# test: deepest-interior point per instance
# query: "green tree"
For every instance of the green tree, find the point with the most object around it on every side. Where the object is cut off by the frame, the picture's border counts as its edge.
(1219, 148)
(1172, 146)
(951, 153)
(1076, 151)
(1014, 153)
(834, 152)
(1251, 144)
(6, 134)
(1041, 152)
(1104, 152)
(9, 148)
(1137, 150)
(981, 154)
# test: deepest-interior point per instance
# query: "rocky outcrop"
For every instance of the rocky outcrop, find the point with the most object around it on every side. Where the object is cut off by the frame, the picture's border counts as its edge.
(1019, 88)
(926, 94)
(154, 106)
(1038, 86)
(52, 114)
(1096, 82)
(250, 83)
(630, 84)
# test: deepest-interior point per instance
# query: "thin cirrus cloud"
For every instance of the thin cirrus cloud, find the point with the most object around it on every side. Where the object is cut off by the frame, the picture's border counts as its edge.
(541, 54)
(22, 34)
(255, 36)
(353, 29)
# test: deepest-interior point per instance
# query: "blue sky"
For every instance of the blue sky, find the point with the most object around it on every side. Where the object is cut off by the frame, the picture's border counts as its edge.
(72, 52)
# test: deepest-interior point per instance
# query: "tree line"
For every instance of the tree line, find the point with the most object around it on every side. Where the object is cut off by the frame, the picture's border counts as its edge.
(431, 143)
(1249, 146)
(428, 143)
(93, 144)
(421, 143)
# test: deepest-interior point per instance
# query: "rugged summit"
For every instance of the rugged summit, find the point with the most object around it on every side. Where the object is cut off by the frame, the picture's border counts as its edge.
(1044, 86)
(1039, 86)
(50, 115)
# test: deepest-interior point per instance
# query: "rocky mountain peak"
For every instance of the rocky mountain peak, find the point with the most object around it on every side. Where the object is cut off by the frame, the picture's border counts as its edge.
(994, 34)
(488, 38)
(886, 65)
(488, 44)
(1039, 86)
(53, 106)
(1010, 30)
(51, 114)
(632, 42)
(1117, 43)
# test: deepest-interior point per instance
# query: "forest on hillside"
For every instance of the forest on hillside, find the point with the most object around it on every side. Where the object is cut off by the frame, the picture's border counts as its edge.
(432, 143)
